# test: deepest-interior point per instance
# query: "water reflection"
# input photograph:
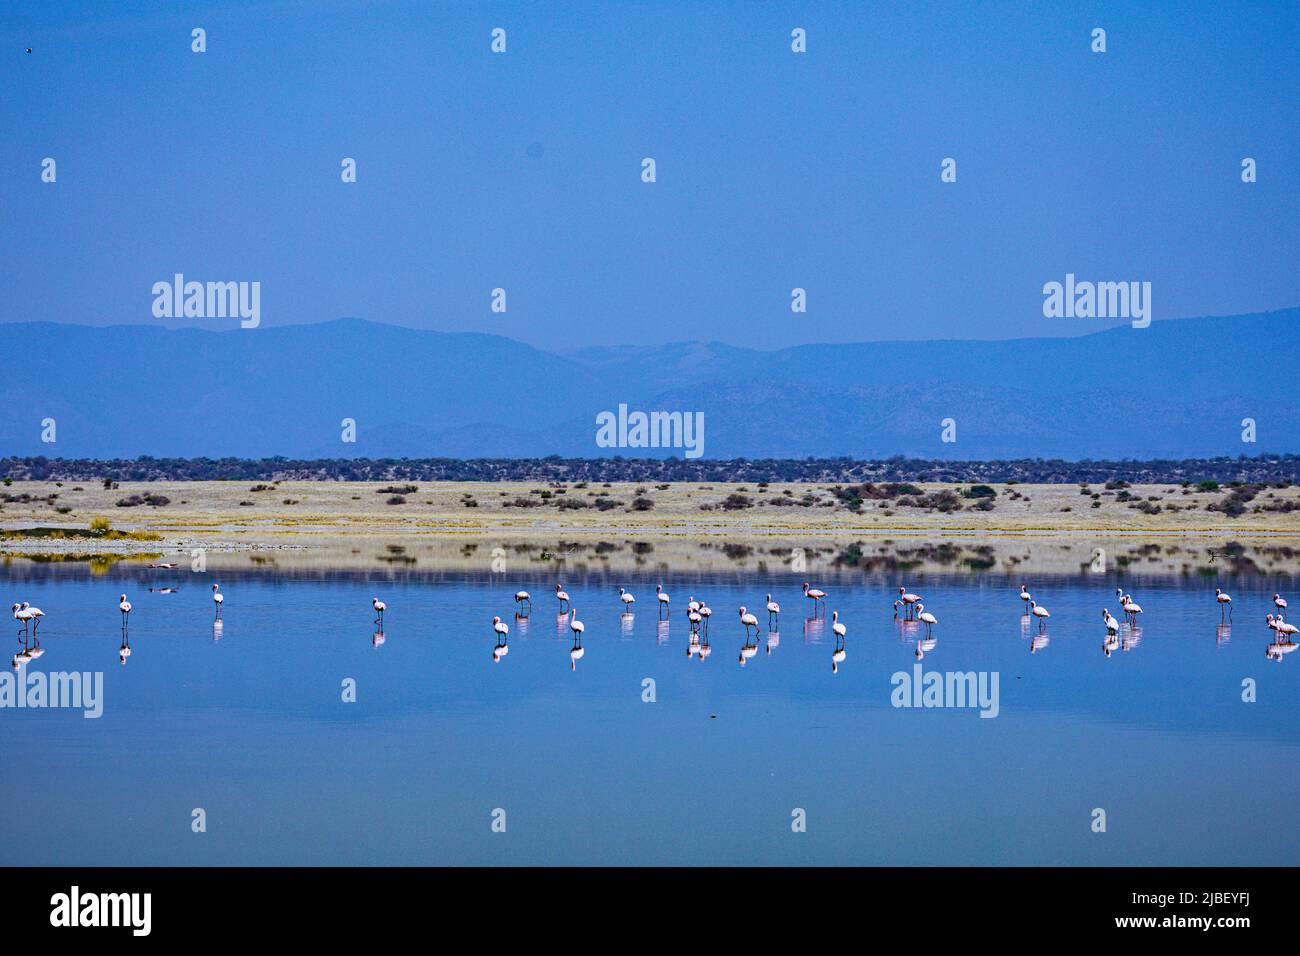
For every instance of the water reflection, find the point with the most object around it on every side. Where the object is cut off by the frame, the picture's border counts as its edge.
(258, 724)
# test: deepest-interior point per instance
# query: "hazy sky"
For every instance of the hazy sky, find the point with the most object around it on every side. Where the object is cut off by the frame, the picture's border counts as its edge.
(522, 170)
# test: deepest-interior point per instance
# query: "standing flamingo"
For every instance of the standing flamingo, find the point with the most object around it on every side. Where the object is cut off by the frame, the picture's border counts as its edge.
(34, 614)
(20, 614)
(748, 620)
(1112, 625)
(217, 600)
(522, 598)
(563, 597)
(1131, 609)
(379, 607)
(1282, 627)
(627, 599)
(1025, 596)
(909, 600)
(500, 627)
(1039, 612)
(929, 619)
(773, 611)
(125, 608)
(663, 599)
(705, 612)
(816, 595)
(1279, 602)
(1225, 601)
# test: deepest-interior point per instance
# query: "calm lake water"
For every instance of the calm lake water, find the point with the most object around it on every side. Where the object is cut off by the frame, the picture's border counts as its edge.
(249, 724)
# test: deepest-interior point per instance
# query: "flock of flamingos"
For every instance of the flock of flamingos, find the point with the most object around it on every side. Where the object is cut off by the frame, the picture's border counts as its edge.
(910, 606)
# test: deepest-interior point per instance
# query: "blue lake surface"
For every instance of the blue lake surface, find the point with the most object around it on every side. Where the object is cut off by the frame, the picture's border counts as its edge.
(249, 724)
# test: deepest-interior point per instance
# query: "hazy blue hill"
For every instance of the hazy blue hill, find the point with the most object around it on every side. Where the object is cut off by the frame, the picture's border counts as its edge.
(1176, 389)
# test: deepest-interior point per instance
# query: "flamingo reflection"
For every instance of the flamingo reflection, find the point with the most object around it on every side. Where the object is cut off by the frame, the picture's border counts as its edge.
(1276, 650)
(838, 655)
(748, 650)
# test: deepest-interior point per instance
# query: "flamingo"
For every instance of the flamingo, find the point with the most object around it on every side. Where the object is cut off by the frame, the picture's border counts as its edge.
(837, 628)
(379, 607)
(816, 595)
(576, 626)
(627, 599)
(773, 610)
(1283, 628)
(1225, 600)
(897, 605)
(20, 614)
(705, 612)
(217, 599)
(1112, 625)
(1279, 602)
(924, 615)
(1131, 609)
(34, 614)
(908, 599)
(1025, 596)
(692, 604)
(563, 597)
(694, 618)
(522, 598)
(500, 626)
(125, 608)
(663, 598)
(749, 621)
(1039, 612)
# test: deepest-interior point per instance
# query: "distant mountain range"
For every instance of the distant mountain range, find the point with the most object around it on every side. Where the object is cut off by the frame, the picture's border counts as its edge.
(1176, 389)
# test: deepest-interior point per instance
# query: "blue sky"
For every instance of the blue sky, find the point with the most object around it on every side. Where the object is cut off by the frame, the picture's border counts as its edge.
(775, 170)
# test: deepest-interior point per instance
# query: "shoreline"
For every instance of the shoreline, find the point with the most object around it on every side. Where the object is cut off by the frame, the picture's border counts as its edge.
(351, 525)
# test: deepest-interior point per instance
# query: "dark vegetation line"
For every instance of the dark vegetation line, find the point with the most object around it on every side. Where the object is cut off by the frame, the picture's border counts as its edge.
(1266, 468)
